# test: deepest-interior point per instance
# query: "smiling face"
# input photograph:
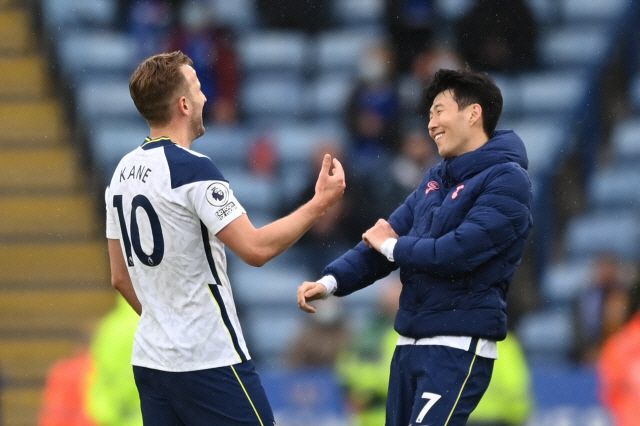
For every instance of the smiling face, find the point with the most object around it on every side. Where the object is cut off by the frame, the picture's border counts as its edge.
(450, 127)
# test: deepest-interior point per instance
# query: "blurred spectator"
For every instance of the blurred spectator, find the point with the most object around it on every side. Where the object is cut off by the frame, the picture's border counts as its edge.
(321, 338)
(411, 26)
(214, 56)
(508, 400)
(363, 368)
(373, 110)
(341, 227)
(601, 309)
(302, 15)
(148, 22)
(418, 153)
(113, 398)
(439, 55)
(498, 36)
(619, 373)
(64, 399)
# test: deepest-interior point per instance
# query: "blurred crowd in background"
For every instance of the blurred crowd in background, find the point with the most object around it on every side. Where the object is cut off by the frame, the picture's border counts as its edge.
(277, 101)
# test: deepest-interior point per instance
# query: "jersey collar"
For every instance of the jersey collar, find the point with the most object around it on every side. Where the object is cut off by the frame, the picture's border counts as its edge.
(156, 143)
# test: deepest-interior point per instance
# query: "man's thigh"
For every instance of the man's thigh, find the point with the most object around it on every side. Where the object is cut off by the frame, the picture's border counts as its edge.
(435, 385)
(230, 395)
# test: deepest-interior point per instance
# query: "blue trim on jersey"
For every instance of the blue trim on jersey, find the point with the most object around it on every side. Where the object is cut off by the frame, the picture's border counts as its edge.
(184, 166)
(215, 291)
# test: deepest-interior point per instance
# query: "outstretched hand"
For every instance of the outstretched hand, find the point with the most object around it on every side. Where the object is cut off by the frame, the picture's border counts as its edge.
(331, 183)
(308, 292)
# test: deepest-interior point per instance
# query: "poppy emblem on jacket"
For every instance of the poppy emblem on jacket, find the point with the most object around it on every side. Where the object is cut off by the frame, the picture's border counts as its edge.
(455, 194)
(432, 186)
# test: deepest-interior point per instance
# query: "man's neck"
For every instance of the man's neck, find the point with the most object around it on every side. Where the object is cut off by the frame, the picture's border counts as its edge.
(179, 136)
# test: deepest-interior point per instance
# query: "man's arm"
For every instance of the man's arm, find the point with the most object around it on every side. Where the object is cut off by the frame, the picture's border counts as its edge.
(257, 246)
(120, 278)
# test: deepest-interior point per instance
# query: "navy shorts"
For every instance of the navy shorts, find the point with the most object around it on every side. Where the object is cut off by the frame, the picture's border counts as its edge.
(435, 385)
(231, 395)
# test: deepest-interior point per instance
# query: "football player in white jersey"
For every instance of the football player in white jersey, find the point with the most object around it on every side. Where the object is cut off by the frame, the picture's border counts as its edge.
(170, 212)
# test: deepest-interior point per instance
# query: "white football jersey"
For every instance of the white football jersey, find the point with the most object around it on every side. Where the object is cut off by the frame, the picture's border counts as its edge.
(166, 204)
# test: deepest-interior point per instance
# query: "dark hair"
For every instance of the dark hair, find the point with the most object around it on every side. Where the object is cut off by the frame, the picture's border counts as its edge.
(468, 88)
(155, 83)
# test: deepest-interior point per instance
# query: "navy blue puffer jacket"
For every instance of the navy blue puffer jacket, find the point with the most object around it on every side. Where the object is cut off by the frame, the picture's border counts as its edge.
(461, 238)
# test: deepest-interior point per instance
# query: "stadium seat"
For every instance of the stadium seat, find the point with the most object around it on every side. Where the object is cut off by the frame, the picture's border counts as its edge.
(615, 188)
(273, 52)
(561, 282)
(352, 13)
(543, 139)
(328, 95)
(105, 99)
(60, 16)
(452, 10)
(272, 97)
(226, 146)
(551, 92)
(241, 15)
(546, 336)
(89, 54)
(590, 11)
(341, 50)
(109, 141)
(573, 46)
(258, 195)
(625, 141)
(594, 233)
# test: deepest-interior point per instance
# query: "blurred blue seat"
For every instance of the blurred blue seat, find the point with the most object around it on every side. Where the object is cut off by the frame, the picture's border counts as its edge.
(89, 54)
(61, 16)
(109, 141)
(351, 13)
(616, 232)
(546, 336)
(298, 142)
(341, 50)
(615, 188)
(241, 15)
(328, 95)
(226, 146)
(256, 194)
(268, 285)
(625, 140)
(273, 52)
(590, 11)
(542, 137)
(562, 282)
(105, 99)
(452, 10)
(573, 45)
(272, 97)
(553, 92)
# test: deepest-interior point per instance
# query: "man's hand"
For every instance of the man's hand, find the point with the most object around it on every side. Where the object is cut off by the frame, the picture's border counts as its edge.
(310, 291)
(378, 234)
(330, 186)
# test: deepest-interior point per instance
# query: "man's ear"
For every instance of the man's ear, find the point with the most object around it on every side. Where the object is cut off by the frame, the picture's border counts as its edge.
(475, 113)
(183, 105)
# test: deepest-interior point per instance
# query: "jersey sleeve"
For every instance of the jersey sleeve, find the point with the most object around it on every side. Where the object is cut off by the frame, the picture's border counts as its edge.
(113, 233)
(215, 204)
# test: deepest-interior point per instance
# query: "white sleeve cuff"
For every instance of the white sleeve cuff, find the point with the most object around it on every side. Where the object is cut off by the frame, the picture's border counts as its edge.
(329, 281)
(387, 248)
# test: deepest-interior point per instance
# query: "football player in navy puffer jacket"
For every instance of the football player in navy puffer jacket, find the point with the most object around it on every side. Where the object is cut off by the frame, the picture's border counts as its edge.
(457, 239)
